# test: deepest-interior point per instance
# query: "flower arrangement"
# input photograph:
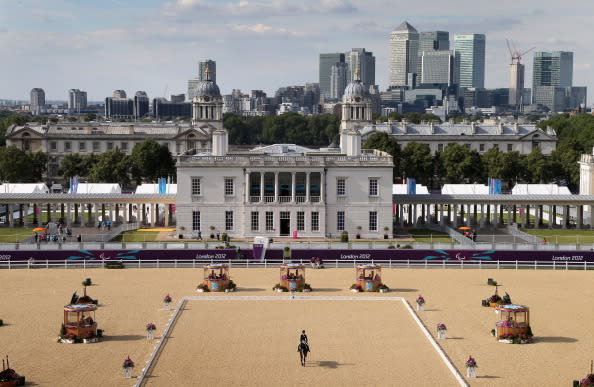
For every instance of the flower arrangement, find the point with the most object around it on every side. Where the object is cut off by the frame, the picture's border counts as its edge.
(231, 286)
(471, 362)
(420, 300)
(151, 326)
(305, 288)
(202, 288)
(167, 299)
(382, 288)
(441, 327)
(128, 363)
(356, 288)
(280, 288)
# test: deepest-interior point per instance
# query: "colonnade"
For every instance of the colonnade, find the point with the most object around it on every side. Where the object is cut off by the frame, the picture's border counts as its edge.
(309, 180)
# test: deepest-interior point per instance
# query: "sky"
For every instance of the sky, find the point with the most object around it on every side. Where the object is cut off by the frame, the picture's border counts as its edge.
(154, 45)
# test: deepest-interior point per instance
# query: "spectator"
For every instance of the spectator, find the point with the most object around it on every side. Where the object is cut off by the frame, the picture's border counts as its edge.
(79, 238)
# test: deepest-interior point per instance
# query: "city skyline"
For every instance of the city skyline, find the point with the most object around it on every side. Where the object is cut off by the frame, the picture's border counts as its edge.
(155, 45)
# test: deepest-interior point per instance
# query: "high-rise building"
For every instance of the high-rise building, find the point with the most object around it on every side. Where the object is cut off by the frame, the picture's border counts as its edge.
(325, 72)
(363, 60)
(432, 41)
(178, 98)
(77, 100)
(552, 69)
(37, 101)
(471, 48)
(168, 110)
(119, 94)
(209, 64)
(338, 80)
(516, 85)
(141, 104)
(403, 56)
(439, 67)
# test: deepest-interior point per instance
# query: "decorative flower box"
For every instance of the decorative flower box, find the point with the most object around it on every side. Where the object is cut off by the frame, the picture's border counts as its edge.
(508, 341)
(229, 290)
(420, 307)
(150, 335)
(383, 290)
(167, 306)
(471, 372)
(127, 372)
(441, 333)
(67, 341)
(306, 290)
(91, 340)
(278, 290)
(355, 290)
(200, 290)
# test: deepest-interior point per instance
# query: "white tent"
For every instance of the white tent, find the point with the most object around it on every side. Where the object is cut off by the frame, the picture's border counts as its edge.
(465, 189)
(539, 189)
(401, 189)
(154, 189)
(98, 188)
(24, 188)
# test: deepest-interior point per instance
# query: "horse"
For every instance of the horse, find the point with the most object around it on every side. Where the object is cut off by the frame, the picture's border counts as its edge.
(303, 349)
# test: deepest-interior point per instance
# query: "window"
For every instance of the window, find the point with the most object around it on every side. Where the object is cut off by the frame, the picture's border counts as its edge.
(467, 146)
(82, 146)
(53, 145)
(96, 146)
(109, 146)
(496, 146)
(340, 220)
(255, 224)
(228, 220)
(315, 221)
(481, 147)
(372, 220)
(269, 221)
(372, 187)
(26, 142)
(196, 186)
(124, 146)
(340, 187)
(229, 187)
(300, 221)
(439, 147)
(510, 147)
(67, 146)
(195, 220)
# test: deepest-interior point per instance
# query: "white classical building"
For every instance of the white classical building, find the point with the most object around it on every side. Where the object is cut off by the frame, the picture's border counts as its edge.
(481, 137)
(286, 189)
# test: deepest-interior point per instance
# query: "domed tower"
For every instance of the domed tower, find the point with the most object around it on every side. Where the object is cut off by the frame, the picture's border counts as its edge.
(356, 112)
(207, 105)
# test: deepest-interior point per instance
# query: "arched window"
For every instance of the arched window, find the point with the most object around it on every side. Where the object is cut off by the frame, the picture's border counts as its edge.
(26, 142)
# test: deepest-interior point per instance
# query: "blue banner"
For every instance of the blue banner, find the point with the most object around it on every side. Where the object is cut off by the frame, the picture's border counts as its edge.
(494, 186)
(162, 185)
(411, 186)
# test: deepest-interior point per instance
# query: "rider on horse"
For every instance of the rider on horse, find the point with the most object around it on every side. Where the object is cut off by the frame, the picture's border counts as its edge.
(303, 340)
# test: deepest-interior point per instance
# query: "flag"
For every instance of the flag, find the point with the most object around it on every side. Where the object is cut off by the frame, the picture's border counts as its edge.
(411, 186)
(494, 186)
(162, 185)
(73, 185)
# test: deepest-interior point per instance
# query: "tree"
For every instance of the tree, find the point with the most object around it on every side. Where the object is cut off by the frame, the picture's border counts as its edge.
(493, 163)
(460, 163)
(17, 165)
(111, 167)
(151, 160)
(382, 141)
(417, 161)
(72, 165)
(537, 167)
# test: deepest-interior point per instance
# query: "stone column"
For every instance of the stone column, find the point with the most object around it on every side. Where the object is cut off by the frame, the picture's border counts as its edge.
(322, 186)
(247, 186)
(580, 216)
(307, 186)
(10, 216)
(90, 220)
(49, 212)
(154, 214)
(21, 216)
(565, 216)
(117, 213)
(276, 187)
(552, 216)
(261, 187)
(62, 212)
(293, 186)
(167, 214)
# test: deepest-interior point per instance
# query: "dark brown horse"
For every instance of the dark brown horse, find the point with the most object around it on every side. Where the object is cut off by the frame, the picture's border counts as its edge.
(303, 349)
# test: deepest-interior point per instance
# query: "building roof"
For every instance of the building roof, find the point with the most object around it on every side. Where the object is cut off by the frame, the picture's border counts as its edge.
(23, 188)
(154, 189)
(402, 189)
(540, 189)
(405, 27)
(98, 188)
(282, 150)
(465, 189)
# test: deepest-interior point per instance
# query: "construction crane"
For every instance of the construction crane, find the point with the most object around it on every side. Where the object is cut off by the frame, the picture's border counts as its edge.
(515, 53)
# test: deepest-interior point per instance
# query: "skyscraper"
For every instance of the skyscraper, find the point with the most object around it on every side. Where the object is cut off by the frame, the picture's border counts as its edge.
(363, 60)
(516, 85)
(471, 48)
(37, 101)
(141, 104)
(338, 80)
(432, 41)
(403, 56)
(325, 72)
(439, 67)
(77, 100)
(552, 69)
(212, 67)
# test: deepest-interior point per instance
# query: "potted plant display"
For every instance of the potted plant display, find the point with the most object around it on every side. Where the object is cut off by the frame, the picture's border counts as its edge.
(167, 302)
(471, 367)
(127, 366)
(420, 302)
(441, 331)
(150, 330)
(358, 236)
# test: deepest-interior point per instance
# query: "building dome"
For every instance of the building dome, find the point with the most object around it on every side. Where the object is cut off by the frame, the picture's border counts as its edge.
(354, 90)
(207, 88)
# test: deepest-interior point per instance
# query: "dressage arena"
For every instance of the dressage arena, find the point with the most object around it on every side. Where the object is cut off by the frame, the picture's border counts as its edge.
(254, 342)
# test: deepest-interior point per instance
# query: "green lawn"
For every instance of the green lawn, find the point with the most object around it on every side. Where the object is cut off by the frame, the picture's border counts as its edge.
(11, 235)
(137, 236)
(423, 235)
(563, 236)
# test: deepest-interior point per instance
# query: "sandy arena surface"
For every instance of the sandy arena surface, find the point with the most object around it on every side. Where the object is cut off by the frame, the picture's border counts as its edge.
(253, 343)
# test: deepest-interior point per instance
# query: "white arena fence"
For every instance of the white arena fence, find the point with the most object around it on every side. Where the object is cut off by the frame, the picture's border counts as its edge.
(328, 264)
